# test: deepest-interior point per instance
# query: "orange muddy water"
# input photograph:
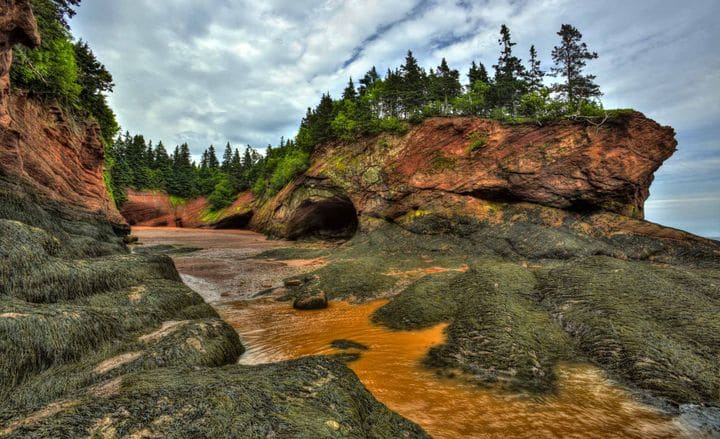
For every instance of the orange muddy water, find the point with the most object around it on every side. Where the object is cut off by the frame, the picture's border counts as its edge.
(587, 404)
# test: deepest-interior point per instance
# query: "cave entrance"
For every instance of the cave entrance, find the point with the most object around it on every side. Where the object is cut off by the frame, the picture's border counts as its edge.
(330, 218)
(237, 221)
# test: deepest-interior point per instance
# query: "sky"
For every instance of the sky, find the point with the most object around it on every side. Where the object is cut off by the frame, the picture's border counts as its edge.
(209, 72)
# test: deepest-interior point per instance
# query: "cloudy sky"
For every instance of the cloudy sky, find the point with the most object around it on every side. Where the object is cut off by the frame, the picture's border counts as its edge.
(208, 72)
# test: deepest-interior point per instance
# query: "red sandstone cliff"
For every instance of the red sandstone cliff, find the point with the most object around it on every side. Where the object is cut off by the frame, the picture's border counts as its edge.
(157, 209)
(462, 165)
(43, 150)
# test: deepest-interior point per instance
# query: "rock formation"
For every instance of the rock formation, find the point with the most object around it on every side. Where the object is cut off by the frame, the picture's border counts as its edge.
(17, 26)
(530, 241)
(157, 209)
(43, 150)
(575, 166)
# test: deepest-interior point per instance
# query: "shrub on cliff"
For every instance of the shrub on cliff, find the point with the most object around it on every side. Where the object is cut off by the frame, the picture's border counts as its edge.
(63, 70)
(223, 195)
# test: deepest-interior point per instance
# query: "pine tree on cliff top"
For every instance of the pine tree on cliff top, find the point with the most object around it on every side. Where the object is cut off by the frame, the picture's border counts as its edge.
(227, 158)
(509, 73)
(350, 93)
(449, 87)
(477, 73)
(413, 85)
(534, 75)
(370, 78)
(570, 59)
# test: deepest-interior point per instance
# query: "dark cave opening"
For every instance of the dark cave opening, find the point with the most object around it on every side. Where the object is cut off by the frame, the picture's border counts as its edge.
(237, 221)
(330, 218)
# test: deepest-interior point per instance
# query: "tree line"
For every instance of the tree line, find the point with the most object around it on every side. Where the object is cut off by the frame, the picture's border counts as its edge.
(143, 166)
(516, 92)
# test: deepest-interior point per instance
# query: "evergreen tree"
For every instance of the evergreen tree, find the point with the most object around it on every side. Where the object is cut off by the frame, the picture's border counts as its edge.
(349, 93)
(535, 75)
(509, 74)
(162, 166)
(449, 87)
(477, 73)
(570, 58)
(182, 182)
(212, 160)
(370, 78)
(227, 158)
(95, 80)
(413, 85)
(391, 98)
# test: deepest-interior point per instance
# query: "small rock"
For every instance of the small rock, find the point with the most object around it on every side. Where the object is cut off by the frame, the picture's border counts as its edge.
(225, 294)
(348, 344)
(333, 425)
(293, 282)
(316, 301)
(131, 239)
(266, 285)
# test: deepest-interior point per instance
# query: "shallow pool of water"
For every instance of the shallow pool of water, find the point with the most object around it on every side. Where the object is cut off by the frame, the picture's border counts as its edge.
(587, 404)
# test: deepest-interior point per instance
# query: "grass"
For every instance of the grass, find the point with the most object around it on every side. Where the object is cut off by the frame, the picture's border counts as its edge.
(477, 142)
(176, 201)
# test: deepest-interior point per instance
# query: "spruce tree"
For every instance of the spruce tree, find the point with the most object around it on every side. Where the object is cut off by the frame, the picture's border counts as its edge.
(535, 75)
(449, 87)
(509, 74)
(391, 101)
(163, 166)
(413, 85)
(570, 58)
(182, 183)
(212, 160)
(227, 158)
(350, 93)
(370, 78)
(477, 73)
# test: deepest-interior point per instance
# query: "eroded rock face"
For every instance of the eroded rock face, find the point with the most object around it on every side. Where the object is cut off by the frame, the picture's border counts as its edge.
(17, 26)
(44, 153)
(157, 209)
(446, 162)
(569, 165)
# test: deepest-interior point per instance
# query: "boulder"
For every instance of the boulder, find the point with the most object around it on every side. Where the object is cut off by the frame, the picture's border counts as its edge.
(316, 301)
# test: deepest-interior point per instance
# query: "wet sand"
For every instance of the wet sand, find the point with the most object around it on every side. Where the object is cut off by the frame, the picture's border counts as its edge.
(223, 270)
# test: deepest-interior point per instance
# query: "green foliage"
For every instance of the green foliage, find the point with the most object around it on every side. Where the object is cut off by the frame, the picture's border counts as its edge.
(289, 167)
(50, 71)
(477, 142)
(223, 195)
(64, 71)
(570, 59)
(394, 125)
(345, 124)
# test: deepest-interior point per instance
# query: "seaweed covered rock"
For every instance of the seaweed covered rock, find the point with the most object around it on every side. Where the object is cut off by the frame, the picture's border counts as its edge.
(95, 341)
(525, 287)
(314, 301)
